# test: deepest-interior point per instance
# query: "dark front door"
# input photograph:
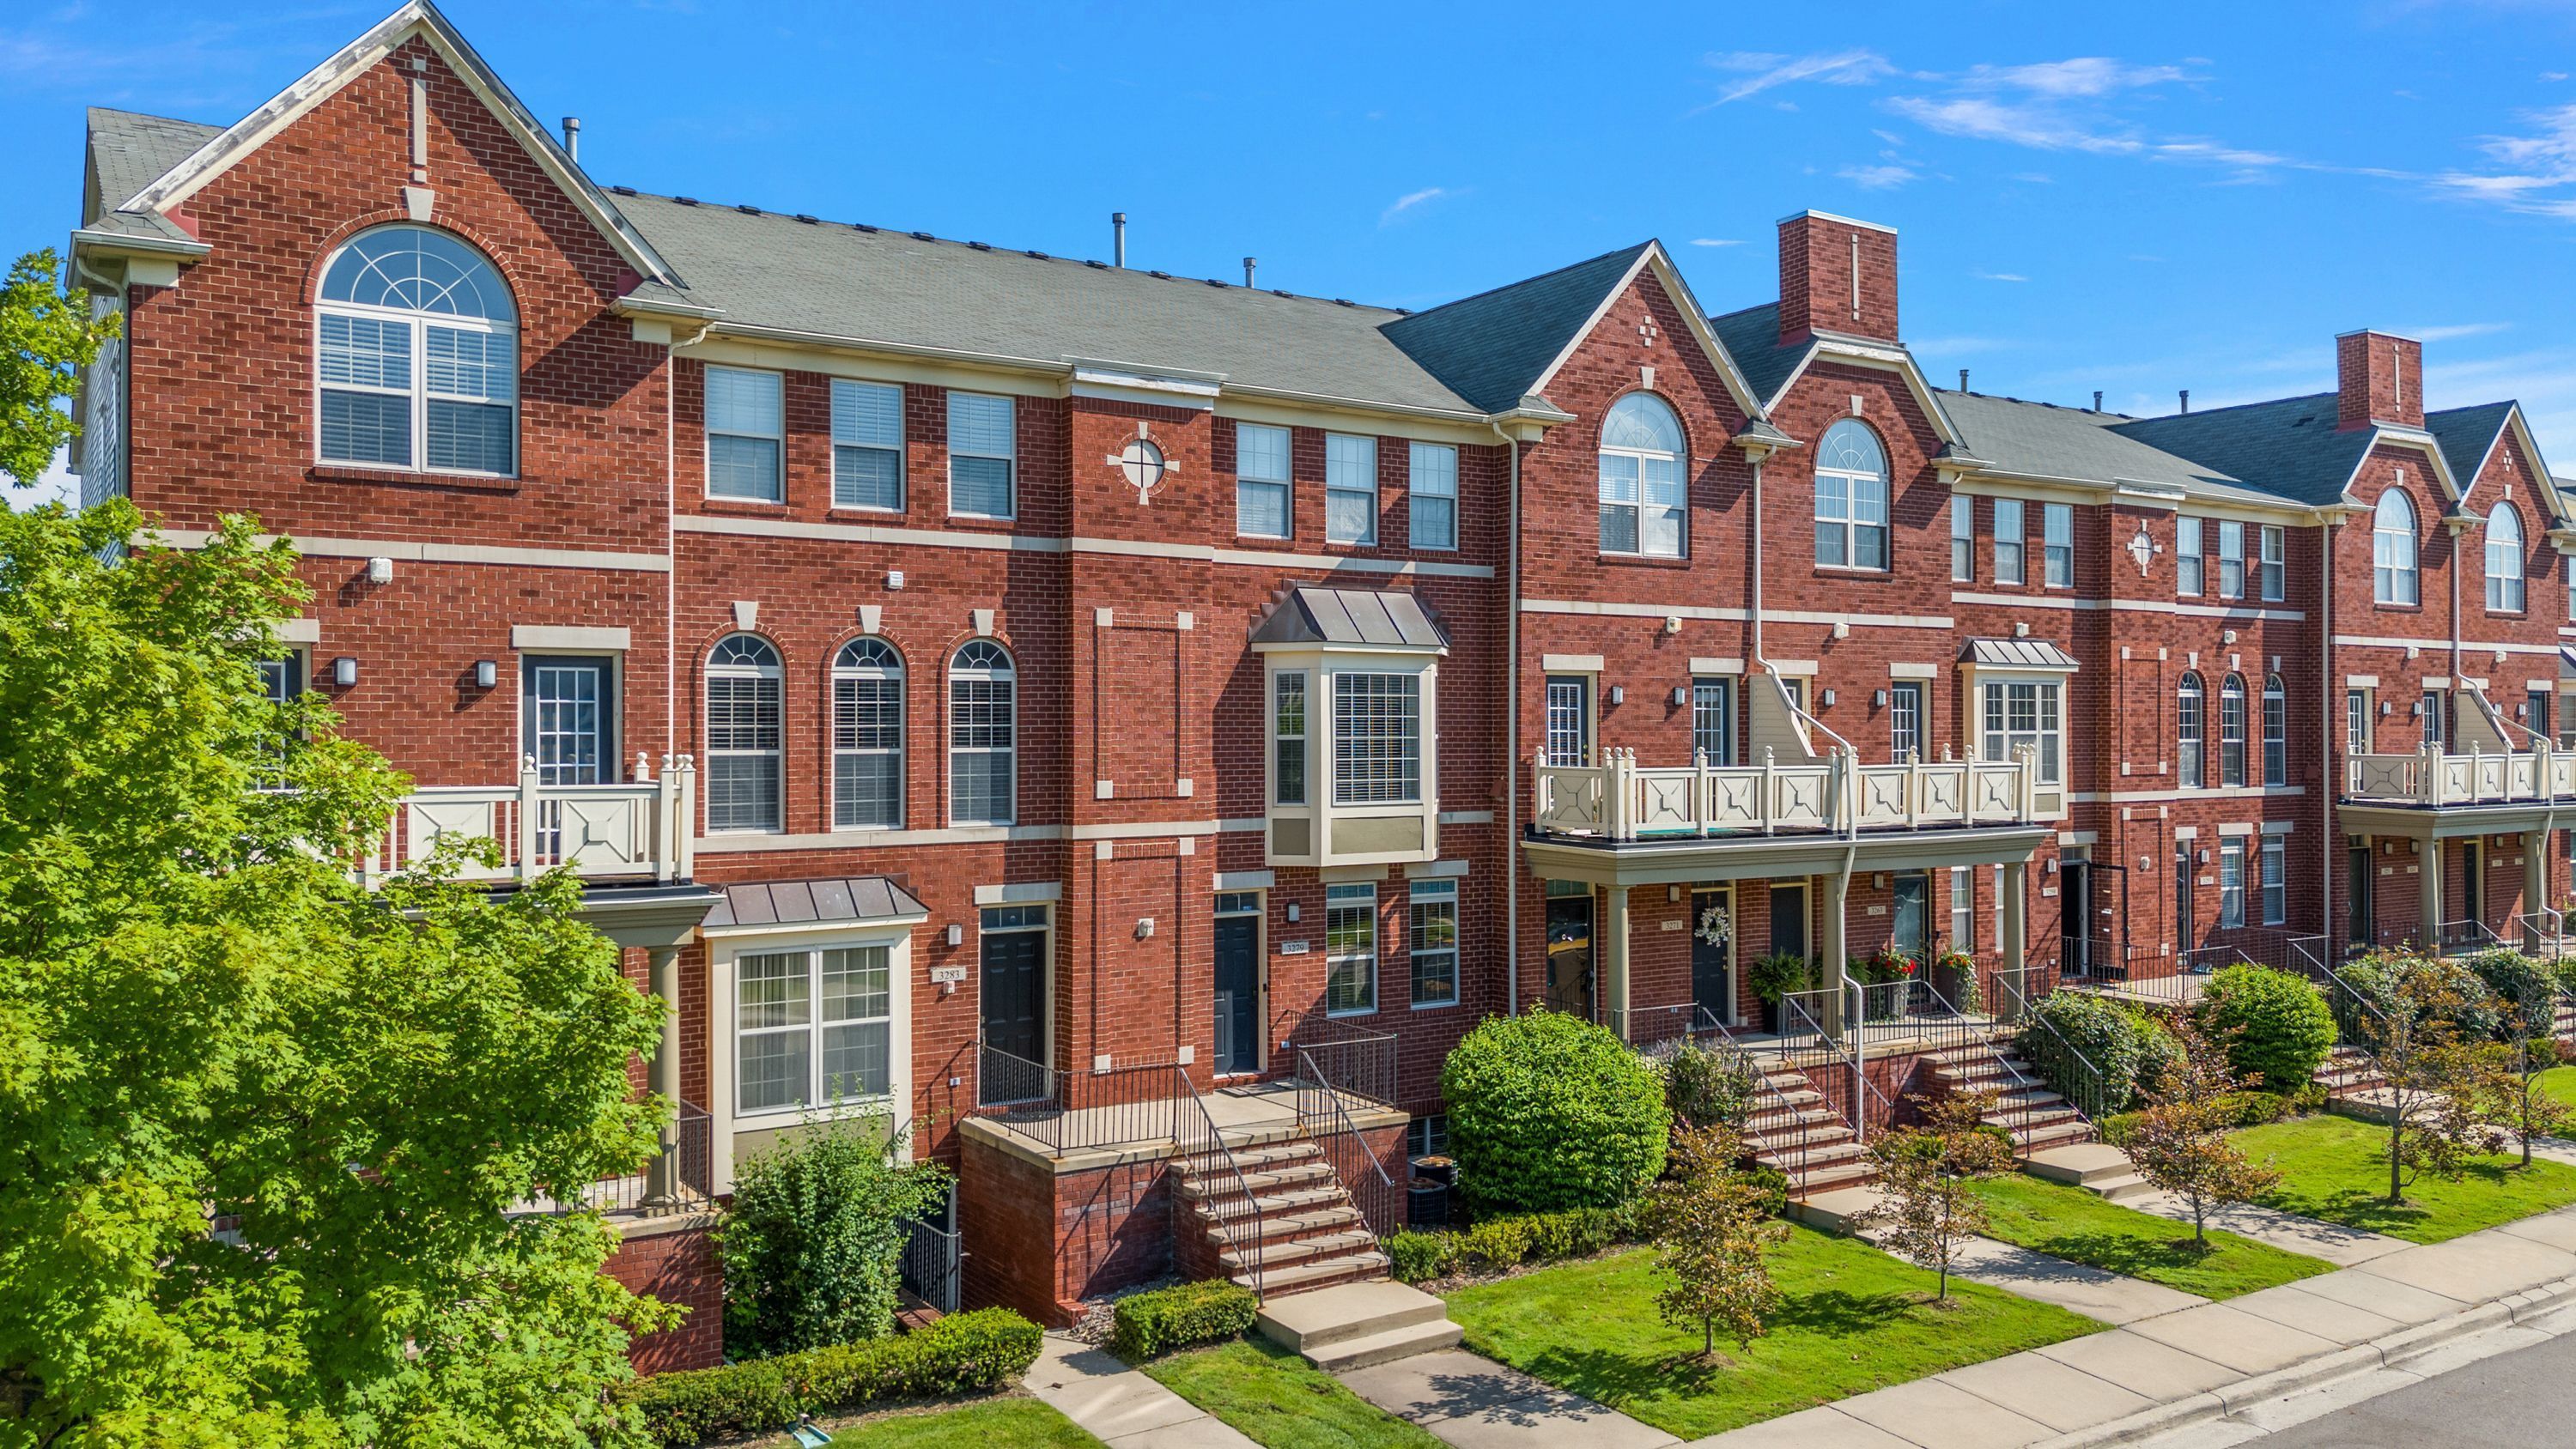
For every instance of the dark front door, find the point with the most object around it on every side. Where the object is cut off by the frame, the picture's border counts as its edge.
(1713, 963)
(1014, 1012)
(2075, 913)
(2359, 930)
(1911, 930)
(568, 718)
(2186, 931)
(1569, 955)
(1238, 993)
(1789, 920)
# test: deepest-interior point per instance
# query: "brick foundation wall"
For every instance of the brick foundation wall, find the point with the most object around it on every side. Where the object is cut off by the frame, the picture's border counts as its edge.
(678, 1267)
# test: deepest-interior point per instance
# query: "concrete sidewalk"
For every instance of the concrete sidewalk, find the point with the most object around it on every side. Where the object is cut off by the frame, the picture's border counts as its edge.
(2196, 1364)
(1474, 1402)
(1097, 1390)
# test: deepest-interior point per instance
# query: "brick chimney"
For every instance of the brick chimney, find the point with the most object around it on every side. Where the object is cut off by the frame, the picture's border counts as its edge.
(2379, 378)
(1837, 275)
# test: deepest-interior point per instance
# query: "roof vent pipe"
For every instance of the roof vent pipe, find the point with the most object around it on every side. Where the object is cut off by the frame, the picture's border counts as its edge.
(2186, 399)
(572, 137)
(2097, 399)
(1118, 237)
(1963, 379)
(1248, 264)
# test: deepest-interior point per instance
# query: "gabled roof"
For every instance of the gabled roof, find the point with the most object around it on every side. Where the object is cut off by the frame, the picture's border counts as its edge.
(1349, 618)
(1492, 348)
(2466, 435)
(1752, 338)
(2288, 447)
(2043, 441)
(128, 151)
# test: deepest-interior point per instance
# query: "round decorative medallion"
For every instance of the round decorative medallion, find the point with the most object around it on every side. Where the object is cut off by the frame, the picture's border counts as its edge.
(1142, 463)
(2142, 549)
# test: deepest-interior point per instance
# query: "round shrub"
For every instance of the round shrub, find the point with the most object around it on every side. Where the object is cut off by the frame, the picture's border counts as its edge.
(2115, 1041)
(2376, 977)
(2522, 987)
(1704, 1087)
(2276, 1025)
(1548, 1111)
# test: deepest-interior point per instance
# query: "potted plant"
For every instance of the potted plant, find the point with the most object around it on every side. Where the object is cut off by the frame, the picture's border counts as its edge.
(1884, 965)
(1775, 976)
(1954, 975)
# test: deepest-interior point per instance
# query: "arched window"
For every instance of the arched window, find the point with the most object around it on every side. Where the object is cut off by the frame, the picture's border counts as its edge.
(867, 736)
(2504, 560)
(982, 736)
(417, 356)
(2392, 549)
(2276, 732)
(2190, 733)
(1851, 497)
(2231, 731)
(1642, 478)
(742, 774)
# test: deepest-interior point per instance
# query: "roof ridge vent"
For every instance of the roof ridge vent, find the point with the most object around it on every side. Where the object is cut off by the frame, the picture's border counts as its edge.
(686, 200)
(923, 236)
(623, 190)
(863, 226)
(746, 209)
(1166, 276)
(809, 218)
(979, 246)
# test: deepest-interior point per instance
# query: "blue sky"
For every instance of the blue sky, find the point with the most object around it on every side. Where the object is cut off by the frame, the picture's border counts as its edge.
(2085, 200)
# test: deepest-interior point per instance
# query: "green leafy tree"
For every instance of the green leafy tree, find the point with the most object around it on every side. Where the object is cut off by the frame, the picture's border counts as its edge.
(1713, 1234)
(813, 1247)
(1927, 1176)
(2178, 1142)
(2430, 1037)
(46, 336)
(266, 1128)
(2509, 1091)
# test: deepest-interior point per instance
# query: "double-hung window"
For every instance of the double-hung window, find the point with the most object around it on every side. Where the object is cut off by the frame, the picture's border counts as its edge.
(867, 445)
(1432, 934)
(2276, 732)
(2392, 550)
(417, 361)
(2009, 541)
(743, 724)
(1350, 489)
(1712, 721)
(1851, 498)
(1963, 539)
(1377, 738)
(983, 449)
(1288, 738)
(2231, 731)
(1641, 478)
(812, 1027)
(2231, 884)
(983, 735)
(2190, 567)
(1261, 486)
(1350, 949)
(2275, 564)
(2021, 713)
(867, 737)
(2504, 560)
(1963, 908)
(1431, 496)
(1905, 721)
(2276, 890)
(2231, 559)
(2057, 545)
(746, 441)
(2190, 737)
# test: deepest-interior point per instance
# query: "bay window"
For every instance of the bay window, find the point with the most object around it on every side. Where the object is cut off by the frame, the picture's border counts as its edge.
(2019, 713)
(812, 1027)
(1288, 739)
(1377, 738)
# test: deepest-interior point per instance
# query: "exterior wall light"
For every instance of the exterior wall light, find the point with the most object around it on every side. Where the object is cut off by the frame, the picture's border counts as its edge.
(956, 934)
(344, 671)
(486, 674)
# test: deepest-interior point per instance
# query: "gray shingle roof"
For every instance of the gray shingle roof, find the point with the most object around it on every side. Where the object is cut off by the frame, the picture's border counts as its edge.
(2465, 434)
(2044, 441)
(2288, 447)
(129, 151)
(859, 898)
(1490, 348)
(1383, 618)
(835, 280)
(1752, 338)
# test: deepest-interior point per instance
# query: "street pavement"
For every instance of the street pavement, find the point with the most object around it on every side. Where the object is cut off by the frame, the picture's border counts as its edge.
(2524, 1397)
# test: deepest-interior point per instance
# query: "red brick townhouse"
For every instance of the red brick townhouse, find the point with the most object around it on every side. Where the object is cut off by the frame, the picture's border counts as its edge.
(1059, 704)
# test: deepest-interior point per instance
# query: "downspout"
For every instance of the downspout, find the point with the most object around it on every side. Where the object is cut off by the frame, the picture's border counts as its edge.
(2329, 710)
(1512, 740)
(1757, 563)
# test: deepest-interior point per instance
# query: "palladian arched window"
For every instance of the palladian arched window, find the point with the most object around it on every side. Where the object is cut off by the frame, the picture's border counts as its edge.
(2504, 560)
(867, 736)
(742, 774)
(2392, 550)
(983, 735)
(1642, 490)
(1851, 498)
(417, 356)
(2231, 731)
(2190, 733)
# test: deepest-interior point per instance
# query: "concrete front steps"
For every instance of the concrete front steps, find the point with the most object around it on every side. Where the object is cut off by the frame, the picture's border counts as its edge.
(1793, 1131)
(1359, 1325)
(2036, 1117)
(2097, 1167)
(2348, 1071)
(1306, 1234)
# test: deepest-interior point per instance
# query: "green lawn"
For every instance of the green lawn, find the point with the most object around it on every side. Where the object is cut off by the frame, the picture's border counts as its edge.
(1855, 1320)
(992, 1424)
(2332, 1168)
(1277, 1399)
(2560, 1082)
(2070, 1223)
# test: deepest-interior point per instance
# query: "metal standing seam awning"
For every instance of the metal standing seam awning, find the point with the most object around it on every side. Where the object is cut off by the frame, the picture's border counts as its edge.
(1320, 616)
(866, 900)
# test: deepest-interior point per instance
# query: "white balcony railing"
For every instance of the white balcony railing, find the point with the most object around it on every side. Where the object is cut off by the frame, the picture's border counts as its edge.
(1620, 799)
(2429, 777)
(643, 829)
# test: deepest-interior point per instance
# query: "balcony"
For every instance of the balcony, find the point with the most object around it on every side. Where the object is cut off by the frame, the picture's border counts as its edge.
(2432, 780)
(1620, 800)
(639, 831)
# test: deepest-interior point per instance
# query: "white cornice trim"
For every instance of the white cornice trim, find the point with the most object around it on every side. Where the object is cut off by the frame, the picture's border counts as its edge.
(419, 552)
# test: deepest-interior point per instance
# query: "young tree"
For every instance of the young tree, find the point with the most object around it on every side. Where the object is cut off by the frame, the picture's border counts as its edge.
(1928, 1175)
(2179, 1142)
(2435, 1071)
(204, 1022)
(2510, 1091)
(1712, 1229)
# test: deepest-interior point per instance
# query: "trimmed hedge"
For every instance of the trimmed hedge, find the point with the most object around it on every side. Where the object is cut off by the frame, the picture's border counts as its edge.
(1548, 1111)
(959, 1353)
(2276, 1025)
(1509, 1241)
(1168, 1318)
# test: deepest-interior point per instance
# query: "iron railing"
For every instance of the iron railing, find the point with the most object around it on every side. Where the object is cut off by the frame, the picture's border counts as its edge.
(1323, 1119)
(931, 1257)
(2064, 1069)
(1068, 1111)
(2543, 933)
(1353, 1058)
(1805, 1015)
(1200, 1150)
(1948, 1030)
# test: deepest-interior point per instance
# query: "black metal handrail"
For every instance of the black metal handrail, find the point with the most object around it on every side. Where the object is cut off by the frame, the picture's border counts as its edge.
(2360, 1023)
(931, 1257)
(1069, 1111)
(1324, 1119)
(2090, 1094)
(1201, 1149)
(1355, 1059)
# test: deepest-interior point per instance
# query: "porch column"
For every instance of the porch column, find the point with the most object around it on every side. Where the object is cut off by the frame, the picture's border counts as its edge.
(1614, 959)
(2015, 924)
(1837, 972)
(2428, 887)
(662, 1179)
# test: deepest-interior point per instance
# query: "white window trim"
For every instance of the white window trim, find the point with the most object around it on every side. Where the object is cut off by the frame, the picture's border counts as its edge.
(1681, 473)
(723, 947)
(2272, 880)
(1321, 666)
(776, 675)
(898, 674)
(848, 386)
(1850, 524)
(949, 748)
(2191, 547)
(2228, 556)
(2400, 549)
(1963, 539)
(1010, 460)
(418, 392)
(2053, 554)
(2510, 581)
(709, 432)
(2273, 563)
(2231, 849)
(2017, 539)
(1414, 453)
(1369, 539)
(1375, 949)
(1286, 481)
(1428, 891)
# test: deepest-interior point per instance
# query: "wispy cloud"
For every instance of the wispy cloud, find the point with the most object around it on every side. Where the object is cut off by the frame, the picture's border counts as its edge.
(1876, 178)
(2450, 331)
(2085, 75)
(1412, 201)
(2533, 173)
(1717, 241)
(1999, 276)
(1759, 71)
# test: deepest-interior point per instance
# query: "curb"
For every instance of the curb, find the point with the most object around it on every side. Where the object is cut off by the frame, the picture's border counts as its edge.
(2392, 1351)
